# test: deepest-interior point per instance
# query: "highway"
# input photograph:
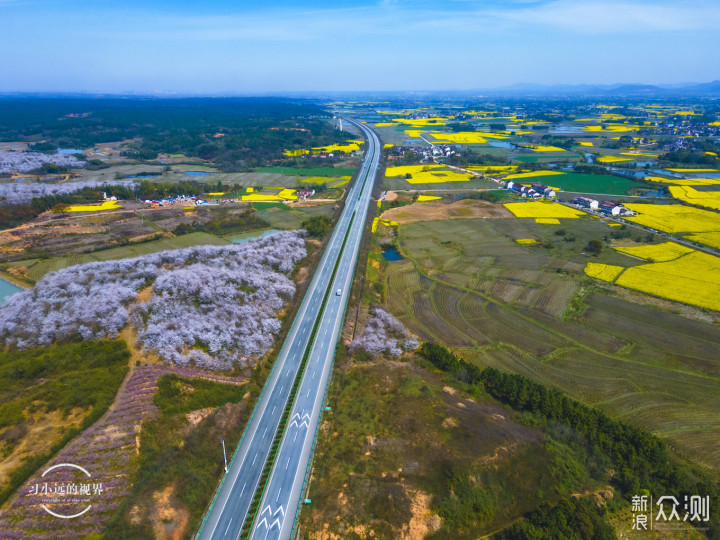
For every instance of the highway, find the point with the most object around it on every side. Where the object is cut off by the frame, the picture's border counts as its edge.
(276, 512)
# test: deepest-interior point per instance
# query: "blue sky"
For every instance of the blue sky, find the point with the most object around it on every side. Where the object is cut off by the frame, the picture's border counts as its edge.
(287, 46)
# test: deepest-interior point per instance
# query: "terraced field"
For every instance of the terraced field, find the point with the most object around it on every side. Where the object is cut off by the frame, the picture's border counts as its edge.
(526, 309)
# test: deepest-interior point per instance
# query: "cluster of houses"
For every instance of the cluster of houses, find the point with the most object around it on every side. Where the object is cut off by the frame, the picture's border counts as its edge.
(534, 191)
(303, 194)
(427, 153)
(608, 208)
(182, 200)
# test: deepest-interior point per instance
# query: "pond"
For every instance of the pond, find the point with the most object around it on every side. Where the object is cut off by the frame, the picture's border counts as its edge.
(567, 130)
(6, 290)
(392, 255)
(501, 144)
(69, 151)
(251, 235)
(197, 173)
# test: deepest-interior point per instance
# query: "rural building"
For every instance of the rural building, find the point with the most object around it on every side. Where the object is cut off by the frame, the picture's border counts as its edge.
(585, 202)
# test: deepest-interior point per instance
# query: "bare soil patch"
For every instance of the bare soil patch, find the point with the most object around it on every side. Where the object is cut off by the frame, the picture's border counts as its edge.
(433, 210)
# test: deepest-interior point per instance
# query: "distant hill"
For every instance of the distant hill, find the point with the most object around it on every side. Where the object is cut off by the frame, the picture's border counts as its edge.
(624, 89)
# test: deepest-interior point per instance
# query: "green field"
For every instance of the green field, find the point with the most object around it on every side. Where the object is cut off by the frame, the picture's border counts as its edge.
(526, 309)
(38, 268)
(292, 218)
(595, 183)
(397, 183)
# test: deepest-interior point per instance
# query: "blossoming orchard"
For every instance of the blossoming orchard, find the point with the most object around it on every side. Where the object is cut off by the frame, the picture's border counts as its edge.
(214, 306)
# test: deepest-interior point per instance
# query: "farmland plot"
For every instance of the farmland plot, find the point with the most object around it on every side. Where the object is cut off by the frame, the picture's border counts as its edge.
(509, 310)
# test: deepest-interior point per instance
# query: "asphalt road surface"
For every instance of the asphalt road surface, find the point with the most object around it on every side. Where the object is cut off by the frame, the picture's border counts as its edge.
(232, 502)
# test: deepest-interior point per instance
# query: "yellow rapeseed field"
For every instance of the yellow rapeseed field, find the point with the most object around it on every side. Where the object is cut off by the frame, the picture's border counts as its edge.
(107, 205)
(295, 153)
(437, 121)
(423, 198)
(548, 221)
(261, 197)
(347, 148)
(691, 279)
(586, 143)
(532, 174)
(638, 154)
(612, 159)
(606, 272)
(526, 241)
(385, 222)
(685, 181)
(667, 251)
(217, 193)
(460, 137)
(386, 124)
(493, 168)
(542, 148)
(692, 170)
(675, 218)
(427, 174)
(289, 194)
(542, 209)
(614, 128)
(708, 238)
(709, 199)
(344, 180)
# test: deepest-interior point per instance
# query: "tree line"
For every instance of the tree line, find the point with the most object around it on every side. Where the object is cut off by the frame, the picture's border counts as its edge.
(640, 460)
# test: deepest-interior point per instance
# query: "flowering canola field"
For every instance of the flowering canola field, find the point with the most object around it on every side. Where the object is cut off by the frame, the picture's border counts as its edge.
(667, 251)
(612, 159)
(493, 168)
(423, 121)
(548, 221)
(606, 272)
(107, 205)
(542, 209)
(461, 137)
(526, 241)
(685, 181)
(541, 148)
(423, 198)
(688, 278)
(709, 199)
(675, 218)
(427, 174)
(532, 174)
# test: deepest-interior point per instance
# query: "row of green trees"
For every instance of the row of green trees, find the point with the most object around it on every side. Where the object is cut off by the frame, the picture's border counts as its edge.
(640, 461)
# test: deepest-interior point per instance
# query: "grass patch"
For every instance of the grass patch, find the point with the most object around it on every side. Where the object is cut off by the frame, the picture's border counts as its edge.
(317, 171)
(177, 395)
(69, 378)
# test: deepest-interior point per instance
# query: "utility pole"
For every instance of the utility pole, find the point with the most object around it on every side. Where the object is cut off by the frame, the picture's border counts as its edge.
(224, 455)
